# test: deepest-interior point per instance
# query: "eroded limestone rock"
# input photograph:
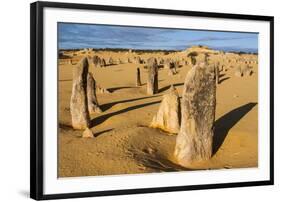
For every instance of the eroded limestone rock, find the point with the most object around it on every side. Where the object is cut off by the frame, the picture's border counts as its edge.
(195, 139)
(152, 79)
(93, 105)
(88, 133)
(78, 101)
(168, 115)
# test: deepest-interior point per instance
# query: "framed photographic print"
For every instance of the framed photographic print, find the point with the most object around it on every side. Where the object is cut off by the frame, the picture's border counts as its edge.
(136, 100)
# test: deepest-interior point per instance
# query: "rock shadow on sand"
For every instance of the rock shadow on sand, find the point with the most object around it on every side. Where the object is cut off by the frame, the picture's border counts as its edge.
(227, 121)
(168, 87)
(107, 106)
(112, 90)
(98, 120)
(224, 79)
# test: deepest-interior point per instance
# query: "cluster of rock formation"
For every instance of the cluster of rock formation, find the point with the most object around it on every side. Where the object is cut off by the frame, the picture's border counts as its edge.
(98, 62)
(193, 118)
(171, 65)
(103, 62)
(245, 70)
(167, 63)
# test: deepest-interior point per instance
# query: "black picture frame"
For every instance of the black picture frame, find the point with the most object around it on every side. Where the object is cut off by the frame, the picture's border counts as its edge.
(36, 98)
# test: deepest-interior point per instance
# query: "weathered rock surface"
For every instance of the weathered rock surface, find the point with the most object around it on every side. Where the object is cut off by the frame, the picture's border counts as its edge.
(110, 61)
(168, 115)
(93, 105)
(247, 71)
(78, 101)
(238, 72)
(97, 61)
(138, 78)
(217, 73)
(102, 90)
(137, 60)
(195, 139)
(152, 79)
(102, 63)
(88, 133)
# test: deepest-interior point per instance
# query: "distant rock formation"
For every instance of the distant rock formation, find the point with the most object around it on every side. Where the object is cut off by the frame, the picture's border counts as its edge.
(238, 72)
(167, 64)
(138, 78)
(96, 61)
(152, 79)
(137, 60)
(248, 70)
(110, 61)
(102, 90)
(103, 63)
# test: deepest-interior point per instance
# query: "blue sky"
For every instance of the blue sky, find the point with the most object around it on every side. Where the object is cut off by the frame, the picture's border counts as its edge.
(73, 35)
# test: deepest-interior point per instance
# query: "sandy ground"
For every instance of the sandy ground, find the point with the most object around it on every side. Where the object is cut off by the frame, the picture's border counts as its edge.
(124, 144)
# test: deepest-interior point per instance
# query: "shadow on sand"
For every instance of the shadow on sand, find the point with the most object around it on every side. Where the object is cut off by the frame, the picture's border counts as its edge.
(119, 88)
(107, 106)
(102, 118)
(227, 121)
(224, 79)
(167, 87)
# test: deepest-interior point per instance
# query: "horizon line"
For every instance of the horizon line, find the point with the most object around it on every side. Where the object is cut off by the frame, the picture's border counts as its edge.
(224, 49)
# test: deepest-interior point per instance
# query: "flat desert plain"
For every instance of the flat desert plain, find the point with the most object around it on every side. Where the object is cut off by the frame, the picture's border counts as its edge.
(125, 144)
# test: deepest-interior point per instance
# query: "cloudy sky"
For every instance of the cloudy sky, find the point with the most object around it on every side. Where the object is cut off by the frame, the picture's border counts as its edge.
(108, 36)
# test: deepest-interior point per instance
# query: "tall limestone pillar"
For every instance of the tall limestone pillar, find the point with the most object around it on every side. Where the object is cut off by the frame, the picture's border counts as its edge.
(195, 139)
(152, 79)
(78, 101)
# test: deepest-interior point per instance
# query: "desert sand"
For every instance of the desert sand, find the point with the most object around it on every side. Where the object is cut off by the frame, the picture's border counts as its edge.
(125, 144)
